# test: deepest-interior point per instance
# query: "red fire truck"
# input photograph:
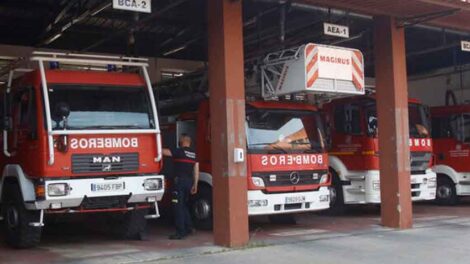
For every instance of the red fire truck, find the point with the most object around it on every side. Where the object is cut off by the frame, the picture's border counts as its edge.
(78, 139)
(451, 138)
(286, 161)
(354, 158)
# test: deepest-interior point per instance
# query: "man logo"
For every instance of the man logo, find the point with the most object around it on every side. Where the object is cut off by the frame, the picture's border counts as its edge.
(106, 159)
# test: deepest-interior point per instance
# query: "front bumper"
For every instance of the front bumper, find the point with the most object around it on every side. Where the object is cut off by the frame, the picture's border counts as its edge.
(276, 202)
(81, 189)
(364, 187)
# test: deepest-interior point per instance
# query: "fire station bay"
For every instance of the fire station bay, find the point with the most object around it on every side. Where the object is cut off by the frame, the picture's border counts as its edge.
(234, 131)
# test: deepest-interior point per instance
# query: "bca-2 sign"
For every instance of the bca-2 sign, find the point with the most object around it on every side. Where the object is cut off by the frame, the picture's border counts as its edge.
(466, 46)
(336, 30)
(133, 5)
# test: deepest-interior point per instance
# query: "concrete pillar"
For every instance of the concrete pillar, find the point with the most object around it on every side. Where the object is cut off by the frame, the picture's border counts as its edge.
(227, 108)
(392, 107)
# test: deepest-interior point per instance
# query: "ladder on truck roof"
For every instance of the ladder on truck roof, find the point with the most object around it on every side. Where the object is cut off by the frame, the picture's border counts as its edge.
(311, 68)
(78, 61)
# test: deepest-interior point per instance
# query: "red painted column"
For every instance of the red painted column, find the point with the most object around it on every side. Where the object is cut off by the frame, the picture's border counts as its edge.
(392, 107)
(227, 109)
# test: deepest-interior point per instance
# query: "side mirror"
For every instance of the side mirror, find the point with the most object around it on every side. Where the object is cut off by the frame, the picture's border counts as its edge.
(60, 113)
(61, 110)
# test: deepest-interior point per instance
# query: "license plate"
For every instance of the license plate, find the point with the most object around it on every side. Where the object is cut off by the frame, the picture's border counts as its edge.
(108, 187)
(295, 199)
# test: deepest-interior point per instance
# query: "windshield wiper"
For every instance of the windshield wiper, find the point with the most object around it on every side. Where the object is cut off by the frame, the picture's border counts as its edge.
(113, 127)
(274, 147)
(261, 144)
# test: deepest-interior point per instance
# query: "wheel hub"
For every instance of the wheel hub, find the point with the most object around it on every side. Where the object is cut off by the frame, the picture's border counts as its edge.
(444, 192)
(201, 209)
(12, 217)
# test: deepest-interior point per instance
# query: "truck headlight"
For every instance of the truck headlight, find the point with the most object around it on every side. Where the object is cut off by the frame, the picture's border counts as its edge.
(258, 182)
(324, 178)
(432, 183)
(376, 185)
(153, 184)
(57, 189)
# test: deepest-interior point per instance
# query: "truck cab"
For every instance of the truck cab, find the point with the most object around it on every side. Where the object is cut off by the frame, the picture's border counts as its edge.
(451, 138)
(354, 151)
(287, 163)
(78, 141)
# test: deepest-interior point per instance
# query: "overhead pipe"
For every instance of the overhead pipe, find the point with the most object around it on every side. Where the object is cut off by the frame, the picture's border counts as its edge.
(307, 7)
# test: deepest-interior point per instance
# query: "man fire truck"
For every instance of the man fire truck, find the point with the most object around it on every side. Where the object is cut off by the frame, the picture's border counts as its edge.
(286, 156)
(77, 139)
(451, 138)
(354, 159)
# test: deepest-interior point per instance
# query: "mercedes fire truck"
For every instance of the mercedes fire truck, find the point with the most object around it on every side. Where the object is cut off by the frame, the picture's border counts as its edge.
(354, 152)
(286, 156)
(79, 136)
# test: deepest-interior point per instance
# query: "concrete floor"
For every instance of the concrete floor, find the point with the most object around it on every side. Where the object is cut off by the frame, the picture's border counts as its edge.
(440, 235)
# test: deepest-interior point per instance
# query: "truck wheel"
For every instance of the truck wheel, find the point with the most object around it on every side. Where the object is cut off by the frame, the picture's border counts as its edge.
(18, 232)
(337, 205)
(446, 193)
(283, 219)
(133, 225)
(201, 208)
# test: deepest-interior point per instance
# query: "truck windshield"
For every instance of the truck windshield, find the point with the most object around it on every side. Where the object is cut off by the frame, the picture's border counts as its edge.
(418, 121)
(284, 131)
(101, 107)
(417, 118)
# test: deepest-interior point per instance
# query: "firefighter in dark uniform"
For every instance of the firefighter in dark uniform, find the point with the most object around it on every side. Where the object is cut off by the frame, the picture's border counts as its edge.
(186, 177)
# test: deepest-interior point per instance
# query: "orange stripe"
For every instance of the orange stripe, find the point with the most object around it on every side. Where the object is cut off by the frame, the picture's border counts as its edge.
(312, 63)
(357, 69)
(358, 55)
(309, 50)
(312, 79)
(357, 83)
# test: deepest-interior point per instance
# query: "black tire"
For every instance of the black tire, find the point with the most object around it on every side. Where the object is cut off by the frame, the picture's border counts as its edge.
(446, 193)
(133, 225)
(283, 219)
(337, 205)
(17, 219)
(201, 208)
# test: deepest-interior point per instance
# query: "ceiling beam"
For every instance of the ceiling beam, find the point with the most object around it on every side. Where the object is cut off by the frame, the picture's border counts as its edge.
(455, 4)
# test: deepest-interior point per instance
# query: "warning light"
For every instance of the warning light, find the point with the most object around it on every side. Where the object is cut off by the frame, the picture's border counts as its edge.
(112, 68)
(54, 65)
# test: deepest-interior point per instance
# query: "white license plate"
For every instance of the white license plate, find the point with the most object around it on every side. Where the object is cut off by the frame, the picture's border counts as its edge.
(108, 187)
(295, 199)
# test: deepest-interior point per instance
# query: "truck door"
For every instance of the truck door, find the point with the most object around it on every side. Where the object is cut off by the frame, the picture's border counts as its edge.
(24, 136)
(450, 146)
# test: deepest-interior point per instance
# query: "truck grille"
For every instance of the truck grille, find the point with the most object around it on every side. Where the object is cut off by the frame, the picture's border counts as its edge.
(105, 202)
(95, 163)
(284, 178)
(420, 161)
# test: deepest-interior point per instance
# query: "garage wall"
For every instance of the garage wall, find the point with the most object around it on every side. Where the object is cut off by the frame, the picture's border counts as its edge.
(431, 88)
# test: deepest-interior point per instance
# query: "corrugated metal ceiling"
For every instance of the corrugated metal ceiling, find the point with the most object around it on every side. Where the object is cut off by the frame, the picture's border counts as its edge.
(459, 20)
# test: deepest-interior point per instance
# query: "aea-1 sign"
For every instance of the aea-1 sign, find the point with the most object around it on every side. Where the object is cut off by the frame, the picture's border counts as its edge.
(143, 6)
(466, 46)
(336, 30)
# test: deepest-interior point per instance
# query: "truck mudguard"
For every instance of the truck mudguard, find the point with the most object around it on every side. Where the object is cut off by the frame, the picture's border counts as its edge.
(25, 184)
(338, 166)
